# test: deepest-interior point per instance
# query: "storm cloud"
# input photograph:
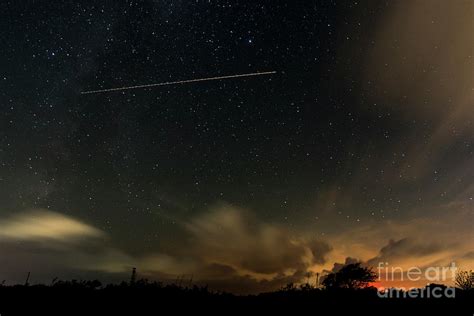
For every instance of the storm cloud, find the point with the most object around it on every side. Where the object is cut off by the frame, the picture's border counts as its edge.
(226, 247)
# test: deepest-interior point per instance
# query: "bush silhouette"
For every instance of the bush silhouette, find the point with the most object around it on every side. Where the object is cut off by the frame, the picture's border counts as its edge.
(351, 276)
(465, 280)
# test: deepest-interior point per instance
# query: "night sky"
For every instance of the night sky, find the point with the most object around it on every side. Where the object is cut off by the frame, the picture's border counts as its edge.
(361, 145)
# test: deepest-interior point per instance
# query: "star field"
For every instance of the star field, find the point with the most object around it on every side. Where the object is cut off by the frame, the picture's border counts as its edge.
(354, 130)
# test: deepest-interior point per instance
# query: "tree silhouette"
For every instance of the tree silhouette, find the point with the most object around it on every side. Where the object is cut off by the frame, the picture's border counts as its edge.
(351, 276)
(465, 280)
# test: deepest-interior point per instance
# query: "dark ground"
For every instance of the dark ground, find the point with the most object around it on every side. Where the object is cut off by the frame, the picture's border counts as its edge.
(86, 298)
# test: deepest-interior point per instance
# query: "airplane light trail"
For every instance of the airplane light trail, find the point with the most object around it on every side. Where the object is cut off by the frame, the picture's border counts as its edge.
(180, 82)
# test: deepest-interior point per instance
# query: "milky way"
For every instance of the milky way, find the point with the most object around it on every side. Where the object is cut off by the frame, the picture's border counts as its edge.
(360, 146)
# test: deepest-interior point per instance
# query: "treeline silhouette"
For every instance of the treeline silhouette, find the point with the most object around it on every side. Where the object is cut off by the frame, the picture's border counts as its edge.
(143, 297)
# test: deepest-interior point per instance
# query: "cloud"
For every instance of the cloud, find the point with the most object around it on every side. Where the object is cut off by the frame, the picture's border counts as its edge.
(50, 244)
(422, 59)
(420, 68)
(234, 237)
(40, 225)
(397, 257)
(469, 255)
(228, 248)
(338, 266)
(436, 239)
(404, 248)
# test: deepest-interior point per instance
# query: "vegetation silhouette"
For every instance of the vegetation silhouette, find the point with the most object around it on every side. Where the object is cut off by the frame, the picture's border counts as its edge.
(347, 291)
(351, 276)
(465, 280)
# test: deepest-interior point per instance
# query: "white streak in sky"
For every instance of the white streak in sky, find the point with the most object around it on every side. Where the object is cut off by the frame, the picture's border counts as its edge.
(180, 82)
